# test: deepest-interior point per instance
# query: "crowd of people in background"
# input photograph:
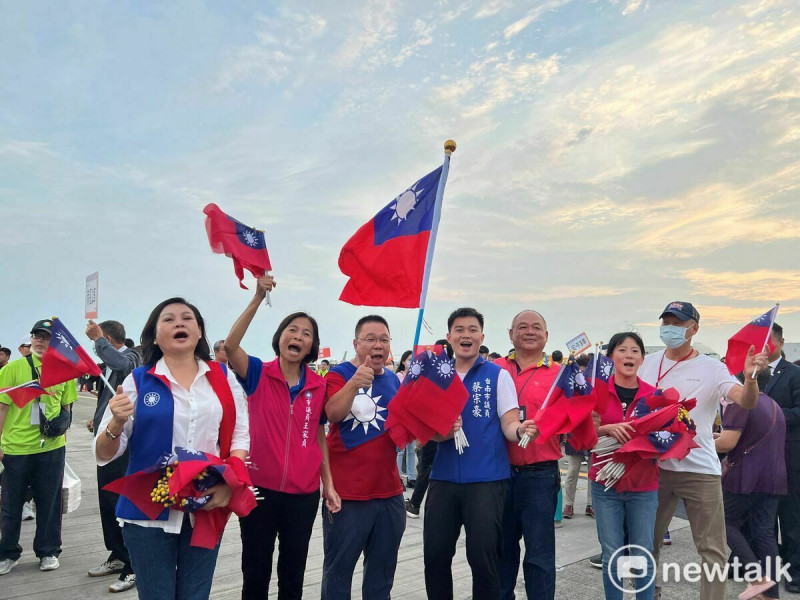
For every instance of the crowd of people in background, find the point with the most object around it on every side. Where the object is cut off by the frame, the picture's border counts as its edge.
(311, 432)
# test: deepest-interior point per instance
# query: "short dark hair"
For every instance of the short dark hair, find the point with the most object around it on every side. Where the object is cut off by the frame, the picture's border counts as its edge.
(495, 355)
(151, 353)
(217, 345)
(461, 313)
(325, 361)
(483, 350)
(6, 351)
(130, 343)
(314, 352)
(370, 319)
(777, 330)
(557, 355)
(583, 360)
(400, 366)
(620, 337)
(114, 329)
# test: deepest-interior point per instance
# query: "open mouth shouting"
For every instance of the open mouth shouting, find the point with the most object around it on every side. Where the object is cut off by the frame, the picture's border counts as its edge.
(180, 335)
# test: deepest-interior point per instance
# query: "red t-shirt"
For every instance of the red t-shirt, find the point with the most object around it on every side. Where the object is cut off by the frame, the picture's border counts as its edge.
(532, 385)
(367, 471)
(648, 480)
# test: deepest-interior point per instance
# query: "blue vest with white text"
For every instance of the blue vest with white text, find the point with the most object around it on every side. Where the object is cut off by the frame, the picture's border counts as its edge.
(486, 458)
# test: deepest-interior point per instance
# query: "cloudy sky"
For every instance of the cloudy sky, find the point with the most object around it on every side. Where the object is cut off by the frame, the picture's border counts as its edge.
(613, 155)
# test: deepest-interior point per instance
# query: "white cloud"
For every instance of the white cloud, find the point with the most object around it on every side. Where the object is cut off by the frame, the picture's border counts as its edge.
(284, 41)
(533, 15)
(375, 26)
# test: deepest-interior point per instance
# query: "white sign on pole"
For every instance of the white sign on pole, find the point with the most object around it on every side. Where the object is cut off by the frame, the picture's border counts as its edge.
(91, 295)
(579, 343)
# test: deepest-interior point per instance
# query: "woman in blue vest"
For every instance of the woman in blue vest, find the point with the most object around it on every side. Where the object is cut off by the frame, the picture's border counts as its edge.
(179, 399)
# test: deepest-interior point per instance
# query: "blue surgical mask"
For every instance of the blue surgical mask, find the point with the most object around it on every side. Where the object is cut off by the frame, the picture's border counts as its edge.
(672, 336)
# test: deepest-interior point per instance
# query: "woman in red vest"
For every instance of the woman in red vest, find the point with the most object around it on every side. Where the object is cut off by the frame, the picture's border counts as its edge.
(288, 453)
(625, 509)
(179, 398)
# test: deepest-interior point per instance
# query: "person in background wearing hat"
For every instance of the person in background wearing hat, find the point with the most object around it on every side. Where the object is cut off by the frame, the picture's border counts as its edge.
(696, 478)
(31, 459)
(25, 346)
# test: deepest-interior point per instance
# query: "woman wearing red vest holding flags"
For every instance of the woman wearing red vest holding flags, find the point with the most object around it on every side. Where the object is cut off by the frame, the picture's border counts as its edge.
(625, 514)
(288, 453)
(179, 399)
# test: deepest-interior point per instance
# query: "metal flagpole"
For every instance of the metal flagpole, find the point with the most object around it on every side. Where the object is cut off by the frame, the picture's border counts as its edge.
(449, 148)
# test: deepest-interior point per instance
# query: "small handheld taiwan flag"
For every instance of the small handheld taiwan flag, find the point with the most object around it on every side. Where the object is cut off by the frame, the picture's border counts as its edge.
(22, 394)
(755, 333)
(245, 245)
(64, 359)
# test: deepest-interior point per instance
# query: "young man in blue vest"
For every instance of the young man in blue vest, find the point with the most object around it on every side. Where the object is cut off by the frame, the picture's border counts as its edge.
(469, 489)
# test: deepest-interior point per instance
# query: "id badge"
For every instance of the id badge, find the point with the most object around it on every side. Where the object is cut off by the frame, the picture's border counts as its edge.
(35, 414)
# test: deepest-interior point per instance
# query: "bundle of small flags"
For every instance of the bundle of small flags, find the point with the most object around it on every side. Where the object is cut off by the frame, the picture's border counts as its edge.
(429, 402)
(181, 481)
(662, 429)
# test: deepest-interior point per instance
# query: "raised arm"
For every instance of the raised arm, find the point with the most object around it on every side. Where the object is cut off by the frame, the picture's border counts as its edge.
(746, 395)
(237, 358)
(341, 403)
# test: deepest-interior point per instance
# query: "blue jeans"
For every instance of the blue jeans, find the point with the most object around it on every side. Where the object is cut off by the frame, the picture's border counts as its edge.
(166, 566)
(530, 506)
(613, 511)
(407, 461)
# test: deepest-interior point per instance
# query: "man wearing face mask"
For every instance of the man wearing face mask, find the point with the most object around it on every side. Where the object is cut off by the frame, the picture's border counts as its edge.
(696, 478)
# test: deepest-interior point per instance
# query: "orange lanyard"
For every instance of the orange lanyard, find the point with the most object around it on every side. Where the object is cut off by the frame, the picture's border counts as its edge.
(661, 364)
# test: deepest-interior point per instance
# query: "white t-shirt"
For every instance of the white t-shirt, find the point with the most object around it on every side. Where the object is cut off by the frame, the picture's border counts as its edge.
(702, 378)
(506, 392)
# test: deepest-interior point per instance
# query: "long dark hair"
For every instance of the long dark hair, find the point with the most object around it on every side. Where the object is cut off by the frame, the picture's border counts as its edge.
(618, 338)
(401, 367)
(151, 353)
(313, 354)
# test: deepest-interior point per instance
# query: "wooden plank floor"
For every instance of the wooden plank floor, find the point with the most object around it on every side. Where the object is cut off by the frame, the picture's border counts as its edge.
(83, 547)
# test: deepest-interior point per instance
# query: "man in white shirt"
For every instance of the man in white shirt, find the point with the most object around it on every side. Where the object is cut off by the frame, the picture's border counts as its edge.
(696, 478)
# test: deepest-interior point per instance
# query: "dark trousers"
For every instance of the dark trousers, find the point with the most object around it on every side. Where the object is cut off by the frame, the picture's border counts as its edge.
(529, 510)
(112, 532)
(756, 513)
(479, 508)
(424, 466)
(289, 517)
(374, 527)
(789, 515)
(44, 473)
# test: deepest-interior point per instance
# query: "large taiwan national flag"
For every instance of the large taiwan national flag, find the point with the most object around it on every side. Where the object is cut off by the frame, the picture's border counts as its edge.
(753, 334)
(64, 359)
(385, 259)
(245, 245)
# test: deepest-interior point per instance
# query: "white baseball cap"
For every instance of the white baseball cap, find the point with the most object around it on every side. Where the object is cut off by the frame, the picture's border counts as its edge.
(26, 341)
